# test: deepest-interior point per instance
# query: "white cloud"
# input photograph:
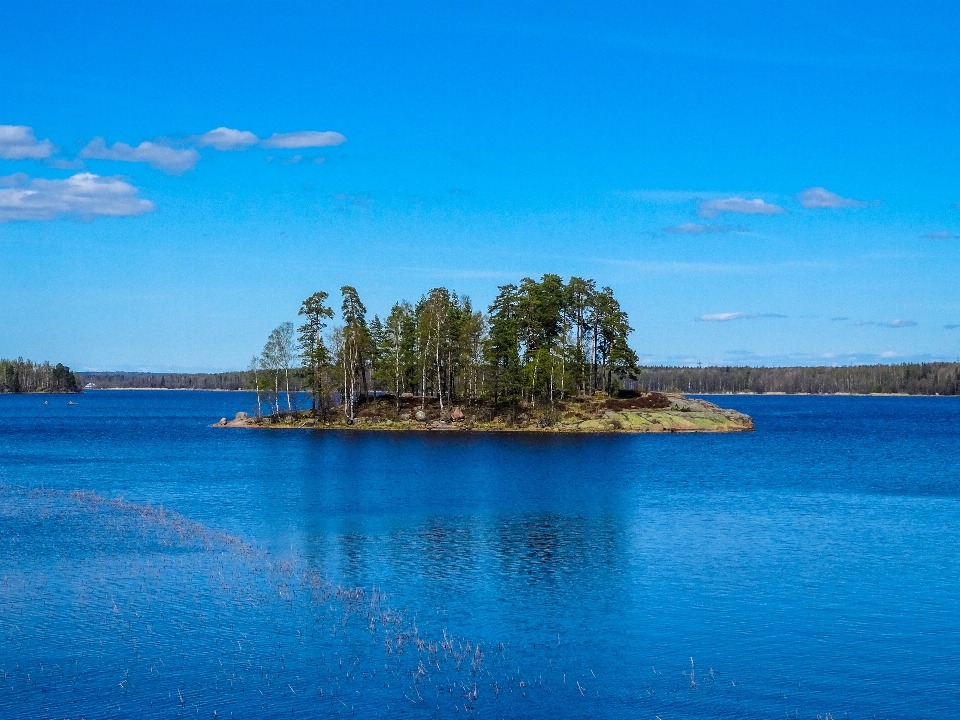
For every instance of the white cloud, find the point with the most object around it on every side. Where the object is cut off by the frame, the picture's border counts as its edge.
(162, 157)
(940, 235)
(84, 195)
(889, 354)
(292, 160)
(304, 139)
(818, 197)
(726, 317)
(224, 138)
(712, 208)
(898, 323)
(17, 142)
(698, 229)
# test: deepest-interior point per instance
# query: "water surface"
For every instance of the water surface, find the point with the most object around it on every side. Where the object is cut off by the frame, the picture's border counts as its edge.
(810, 567)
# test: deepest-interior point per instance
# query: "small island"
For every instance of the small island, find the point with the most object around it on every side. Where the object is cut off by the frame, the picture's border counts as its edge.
(632, 413)
(547, 355)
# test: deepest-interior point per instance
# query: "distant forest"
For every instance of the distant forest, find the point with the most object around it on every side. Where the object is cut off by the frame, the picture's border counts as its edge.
(909, 379)
(937, 378)
(240, 380)
(24, 376)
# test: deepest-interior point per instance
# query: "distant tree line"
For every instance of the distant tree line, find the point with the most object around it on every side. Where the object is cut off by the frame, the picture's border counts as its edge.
(910, 379)
(938, 378)
(24, 376)
(538, 342)
(238, 380)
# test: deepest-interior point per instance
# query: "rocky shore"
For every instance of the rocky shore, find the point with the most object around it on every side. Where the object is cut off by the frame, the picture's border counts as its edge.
(640, 413)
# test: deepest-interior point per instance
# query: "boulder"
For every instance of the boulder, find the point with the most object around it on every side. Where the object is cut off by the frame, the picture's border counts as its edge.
(241, 417)
(421, 416)
(457, 415)
(223, 421)
(404, 416)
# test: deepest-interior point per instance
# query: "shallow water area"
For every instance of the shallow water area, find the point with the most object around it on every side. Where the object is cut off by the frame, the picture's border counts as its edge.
(810, 567)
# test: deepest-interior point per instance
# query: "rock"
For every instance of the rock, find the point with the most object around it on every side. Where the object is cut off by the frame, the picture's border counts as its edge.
(241, 417)
(223, 421)
(421, 416)
(404, 416)
(611, 415)
(457, 415)
(407, 395)
(389, 422)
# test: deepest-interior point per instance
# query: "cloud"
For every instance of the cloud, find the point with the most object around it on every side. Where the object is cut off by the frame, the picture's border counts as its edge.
(360, 201)
(170, 160)
(62, 164)
(698, 229)
(940, 235)
(951, 326)
(304, 139)
(292, 160)
(224, 138)
(818, 197)
(17, 142)
(726, 317)
(712, 208)
(15, 180)
(898, 323)
(889, 354)
(84, 195)
(839, 318)
(663, 197)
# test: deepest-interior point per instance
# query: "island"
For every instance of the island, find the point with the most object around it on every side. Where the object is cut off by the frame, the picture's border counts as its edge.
(651, 412)
(547, 355)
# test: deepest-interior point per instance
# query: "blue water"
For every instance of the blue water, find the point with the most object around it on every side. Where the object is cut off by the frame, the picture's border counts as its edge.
(810, 567)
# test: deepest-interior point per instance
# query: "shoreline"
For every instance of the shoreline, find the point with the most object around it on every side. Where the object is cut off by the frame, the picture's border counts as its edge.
(690, 393)
(653, 413)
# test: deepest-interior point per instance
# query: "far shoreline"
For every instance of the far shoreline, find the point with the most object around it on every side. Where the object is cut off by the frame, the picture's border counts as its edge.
(714, 394)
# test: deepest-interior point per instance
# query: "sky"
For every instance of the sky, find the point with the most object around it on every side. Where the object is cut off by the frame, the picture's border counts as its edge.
(760, 183)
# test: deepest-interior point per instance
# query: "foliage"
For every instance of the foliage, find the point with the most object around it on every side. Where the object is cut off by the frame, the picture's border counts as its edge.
(24, 376)
(314, 354)
(937, 378)
(539, 342)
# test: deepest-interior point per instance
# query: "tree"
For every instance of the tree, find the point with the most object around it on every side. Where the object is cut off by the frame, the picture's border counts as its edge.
(578, 301)
(256, 363)
(313, 352)
(278, 355)
(354, 348)
(503, 348)
(397, 350)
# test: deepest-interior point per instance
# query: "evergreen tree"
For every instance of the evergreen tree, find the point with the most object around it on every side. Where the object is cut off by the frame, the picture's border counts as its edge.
(314, 354)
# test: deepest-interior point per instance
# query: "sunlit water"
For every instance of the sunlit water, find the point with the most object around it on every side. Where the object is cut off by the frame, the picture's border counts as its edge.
(152, 566)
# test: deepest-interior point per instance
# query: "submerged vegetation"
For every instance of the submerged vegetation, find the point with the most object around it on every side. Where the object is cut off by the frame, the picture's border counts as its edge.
(24, 376)
(539, 343)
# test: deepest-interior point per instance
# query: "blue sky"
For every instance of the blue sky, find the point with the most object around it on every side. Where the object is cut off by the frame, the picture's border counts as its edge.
(761, 183)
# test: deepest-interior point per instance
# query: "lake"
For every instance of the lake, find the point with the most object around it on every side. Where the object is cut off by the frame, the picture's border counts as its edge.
(152, 566)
